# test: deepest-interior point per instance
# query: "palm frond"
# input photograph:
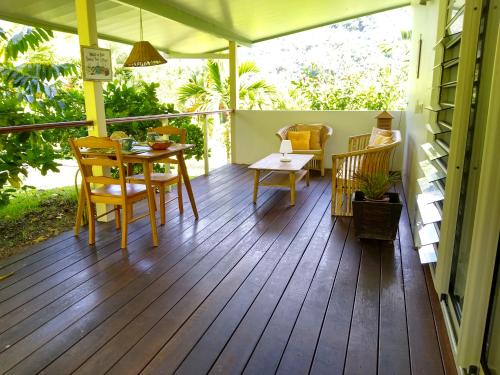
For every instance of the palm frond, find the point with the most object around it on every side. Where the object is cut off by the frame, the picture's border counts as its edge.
(262, 86)
(214, 75)
(192, 92)
(247, 67)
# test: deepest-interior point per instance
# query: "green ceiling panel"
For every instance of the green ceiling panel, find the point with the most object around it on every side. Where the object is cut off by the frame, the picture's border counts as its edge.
(194, 26)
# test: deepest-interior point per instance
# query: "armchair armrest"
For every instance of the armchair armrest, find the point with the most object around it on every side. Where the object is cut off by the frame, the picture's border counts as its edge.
(326, 132)
(282, 133)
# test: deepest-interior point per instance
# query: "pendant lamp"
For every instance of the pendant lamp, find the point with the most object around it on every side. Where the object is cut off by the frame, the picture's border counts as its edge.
(143, 53)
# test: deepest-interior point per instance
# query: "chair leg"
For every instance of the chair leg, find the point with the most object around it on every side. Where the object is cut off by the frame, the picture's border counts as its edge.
(91, 211)
(79, 212)
(322, 165)
(338, 203)
(117, 217)
(162, 204)
(130, 211)
(125, 217)
(179, 195)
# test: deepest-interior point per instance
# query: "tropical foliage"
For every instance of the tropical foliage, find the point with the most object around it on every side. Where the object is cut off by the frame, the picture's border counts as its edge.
(36, 90)
(324, 89)
(27, 83)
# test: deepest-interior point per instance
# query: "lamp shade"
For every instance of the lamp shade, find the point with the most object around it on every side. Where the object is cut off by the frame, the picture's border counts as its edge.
(144, 54)
(286, 147)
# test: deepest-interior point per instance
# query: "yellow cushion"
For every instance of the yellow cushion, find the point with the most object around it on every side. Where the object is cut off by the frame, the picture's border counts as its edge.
(300, 140)
(315, 140)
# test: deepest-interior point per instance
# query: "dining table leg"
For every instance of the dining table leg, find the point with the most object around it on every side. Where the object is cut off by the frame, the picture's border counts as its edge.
(151, 202)
(187, 182)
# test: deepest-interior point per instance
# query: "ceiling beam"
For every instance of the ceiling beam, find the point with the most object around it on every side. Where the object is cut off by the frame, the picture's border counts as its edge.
(179, 15)
(72, 30)
(212, 56)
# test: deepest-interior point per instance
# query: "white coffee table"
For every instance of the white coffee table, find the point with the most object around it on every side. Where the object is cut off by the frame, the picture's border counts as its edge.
(280, 174)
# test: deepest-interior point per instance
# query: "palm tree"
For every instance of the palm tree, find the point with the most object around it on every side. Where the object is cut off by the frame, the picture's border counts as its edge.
(209, 90)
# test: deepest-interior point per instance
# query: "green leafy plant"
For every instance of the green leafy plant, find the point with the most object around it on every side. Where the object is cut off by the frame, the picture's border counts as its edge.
(374, 186)
(28, 80)
(323, 89)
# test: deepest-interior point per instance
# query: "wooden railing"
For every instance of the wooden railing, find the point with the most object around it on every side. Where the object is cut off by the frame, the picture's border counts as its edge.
(164, 116)
(119, 120)
(46, 126)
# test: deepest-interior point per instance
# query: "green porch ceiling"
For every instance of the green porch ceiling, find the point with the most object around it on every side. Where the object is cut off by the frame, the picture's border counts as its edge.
(194, 26)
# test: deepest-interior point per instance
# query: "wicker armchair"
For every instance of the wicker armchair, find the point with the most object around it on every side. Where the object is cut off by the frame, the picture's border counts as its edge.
(318, 162)
(359, 158)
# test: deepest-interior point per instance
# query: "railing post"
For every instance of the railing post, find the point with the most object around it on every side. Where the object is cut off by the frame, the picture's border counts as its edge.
(164, 122)
(205, 144)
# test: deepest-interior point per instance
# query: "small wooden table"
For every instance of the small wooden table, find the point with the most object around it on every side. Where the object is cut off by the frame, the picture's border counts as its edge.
(281, 174)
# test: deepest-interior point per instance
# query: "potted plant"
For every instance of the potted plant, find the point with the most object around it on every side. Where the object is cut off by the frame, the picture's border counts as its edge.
(376, 211)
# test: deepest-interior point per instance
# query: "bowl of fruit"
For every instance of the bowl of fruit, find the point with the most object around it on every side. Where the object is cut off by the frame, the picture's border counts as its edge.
(160, 144)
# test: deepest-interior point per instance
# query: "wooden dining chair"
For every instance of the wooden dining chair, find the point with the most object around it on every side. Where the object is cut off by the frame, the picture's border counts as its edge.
(163, 180)
(105, 189)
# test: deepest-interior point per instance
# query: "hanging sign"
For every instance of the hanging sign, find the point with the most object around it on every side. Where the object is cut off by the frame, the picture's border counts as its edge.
(96, 64)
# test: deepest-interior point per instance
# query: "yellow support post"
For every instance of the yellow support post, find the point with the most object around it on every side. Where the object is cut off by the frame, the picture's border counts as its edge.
(234, 91)
(94, 101)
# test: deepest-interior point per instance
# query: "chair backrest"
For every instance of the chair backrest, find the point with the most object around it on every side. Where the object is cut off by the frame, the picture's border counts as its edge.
(82, 148)
(171, 130)
(367, 160)
(325, 131)
(377, 159)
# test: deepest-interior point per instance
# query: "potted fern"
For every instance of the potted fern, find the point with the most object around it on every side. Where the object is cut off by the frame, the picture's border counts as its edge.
(376, 211)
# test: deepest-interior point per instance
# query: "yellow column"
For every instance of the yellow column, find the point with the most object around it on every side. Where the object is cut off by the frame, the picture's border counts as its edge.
(87, 33)
(234, 92)
(94, 101)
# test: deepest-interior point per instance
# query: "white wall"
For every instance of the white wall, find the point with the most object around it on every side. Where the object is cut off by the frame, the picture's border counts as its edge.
(416, 117)
(255, 131)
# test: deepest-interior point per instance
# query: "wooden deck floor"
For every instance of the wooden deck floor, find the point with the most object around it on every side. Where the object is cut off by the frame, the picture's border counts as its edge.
(256, 289)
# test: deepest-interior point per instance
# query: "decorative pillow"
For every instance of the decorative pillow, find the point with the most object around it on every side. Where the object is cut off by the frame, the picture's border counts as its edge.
(380, 140)
(379, 132)
(300, 140)
(315, 140)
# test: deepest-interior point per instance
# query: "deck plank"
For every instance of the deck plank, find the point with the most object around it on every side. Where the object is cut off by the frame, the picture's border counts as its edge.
(394, 354)
(362, 349)
(93, 274)
(299, 352)
(36, 251)
(245, 279)
(243, 338)
(196, 263)
(26, 271)
(229, 303)
(425, 355)
(211, 204)
(265, 288)
(331, 347)
(87, 315)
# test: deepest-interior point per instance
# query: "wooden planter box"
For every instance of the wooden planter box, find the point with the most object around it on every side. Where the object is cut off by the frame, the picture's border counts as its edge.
(376, 219)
